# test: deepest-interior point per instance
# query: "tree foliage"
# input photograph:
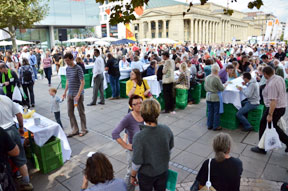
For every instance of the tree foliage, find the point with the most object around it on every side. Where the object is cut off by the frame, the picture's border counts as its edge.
(123, 13)
(21, 14)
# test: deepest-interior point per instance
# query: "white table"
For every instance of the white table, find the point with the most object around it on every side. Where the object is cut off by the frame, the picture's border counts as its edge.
(47, 129)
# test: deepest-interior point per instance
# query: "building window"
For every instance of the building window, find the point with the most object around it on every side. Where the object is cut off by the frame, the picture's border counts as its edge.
(167, 35)
(136, 27)
(153, 25)
(167, 24)
(153, 34)
(136, 35)
(159, 34)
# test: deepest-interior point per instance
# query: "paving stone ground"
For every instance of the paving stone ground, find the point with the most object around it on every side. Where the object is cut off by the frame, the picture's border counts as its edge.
(192, 146)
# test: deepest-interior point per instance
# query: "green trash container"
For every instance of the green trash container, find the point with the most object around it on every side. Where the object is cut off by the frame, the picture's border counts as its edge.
(228, 119)
(196, 93)
(88, 79)
(63, 81)
(181, 98)
(123, 89)
(172, 180)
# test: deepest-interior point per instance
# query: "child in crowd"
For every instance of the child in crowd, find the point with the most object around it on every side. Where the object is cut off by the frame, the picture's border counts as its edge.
(55, 101)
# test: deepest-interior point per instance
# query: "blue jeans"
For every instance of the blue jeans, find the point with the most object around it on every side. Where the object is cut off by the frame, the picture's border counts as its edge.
(213, 120)
(58, 118)
(246, 107)
(115, 85)
(48, 74)
(35, 71)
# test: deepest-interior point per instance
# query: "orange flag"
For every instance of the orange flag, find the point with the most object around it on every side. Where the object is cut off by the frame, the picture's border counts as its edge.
(129, 34)
(139, 11)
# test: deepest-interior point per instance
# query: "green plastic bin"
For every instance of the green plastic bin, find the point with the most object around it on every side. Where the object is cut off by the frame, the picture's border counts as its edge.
(88, 80)
(196, 93)
(254, 117)
(63, 81)
(48, 157)
(123, 89)
(181, 98)
(172, 180)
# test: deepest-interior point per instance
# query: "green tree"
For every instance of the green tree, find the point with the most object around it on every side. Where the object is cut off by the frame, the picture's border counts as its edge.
(124, 13)
(20, 14)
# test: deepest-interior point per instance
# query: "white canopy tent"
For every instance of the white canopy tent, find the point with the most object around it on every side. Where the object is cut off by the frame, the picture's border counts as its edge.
(18, 42)
(145, 40)
(74, 40)
(91, 39)
(162, 41)
(109, 39)
(102, 43)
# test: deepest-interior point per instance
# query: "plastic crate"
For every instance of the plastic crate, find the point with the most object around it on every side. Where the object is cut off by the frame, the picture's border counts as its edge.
(88, 79)
(181, 98)
(196, 93)
(203, 91)
(160, 99)
(228, 119)
(123, 89)
(48, 157)
(254, 117)
(172, 180)
(107, 92)
(63, 81)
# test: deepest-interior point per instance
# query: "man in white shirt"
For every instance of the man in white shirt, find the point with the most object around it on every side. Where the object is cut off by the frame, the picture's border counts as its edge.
(98, 78)
(25, 54)
(8, 111)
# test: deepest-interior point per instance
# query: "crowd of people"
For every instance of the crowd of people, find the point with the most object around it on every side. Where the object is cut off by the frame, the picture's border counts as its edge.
(263, 68)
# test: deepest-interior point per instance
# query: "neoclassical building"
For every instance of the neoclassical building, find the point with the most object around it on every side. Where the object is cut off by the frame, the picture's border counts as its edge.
(202, 24)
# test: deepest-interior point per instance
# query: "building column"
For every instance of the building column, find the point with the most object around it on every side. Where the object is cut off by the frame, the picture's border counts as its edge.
(51, 36)
(213, 32)
(192, 30)
(207, 32)
(156, 29)
(196, 30)
(200, 31)
(164, 29)
(210, 32)
(149, 30)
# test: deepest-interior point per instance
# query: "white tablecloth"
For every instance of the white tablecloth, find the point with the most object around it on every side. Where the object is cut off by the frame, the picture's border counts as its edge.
(231, 95)
(62, 70)
(47, 129)
(154, 85)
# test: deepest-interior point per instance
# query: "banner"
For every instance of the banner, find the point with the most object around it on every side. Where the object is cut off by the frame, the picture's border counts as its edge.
(275, 30)
(4, 35)
(129, 34)
(286, 31)
(268, 30)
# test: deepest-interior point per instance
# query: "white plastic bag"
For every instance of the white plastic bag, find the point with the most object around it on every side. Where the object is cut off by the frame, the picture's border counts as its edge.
(262, 140)
(282, 124)
(272, 140)
(16, 96)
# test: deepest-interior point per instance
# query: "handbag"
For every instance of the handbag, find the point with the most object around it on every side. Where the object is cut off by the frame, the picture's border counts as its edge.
(149, 94)
(208, 186)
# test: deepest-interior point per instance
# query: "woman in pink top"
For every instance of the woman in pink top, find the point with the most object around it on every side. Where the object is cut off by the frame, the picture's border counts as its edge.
(47, 65)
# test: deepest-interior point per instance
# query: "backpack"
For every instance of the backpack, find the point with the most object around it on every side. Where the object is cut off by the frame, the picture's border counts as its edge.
(27, 75)
(6, 180)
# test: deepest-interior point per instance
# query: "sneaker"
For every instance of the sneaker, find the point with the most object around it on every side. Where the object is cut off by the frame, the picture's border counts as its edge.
(247, 130)
(258, 150)
(26, 186)
(91, 104)
(112, 98)
(101, 103)
(173, 112)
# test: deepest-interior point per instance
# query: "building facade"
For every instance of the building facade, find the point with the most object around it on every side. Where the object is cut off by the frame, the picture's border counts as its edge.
(74, 15)
(205, 24)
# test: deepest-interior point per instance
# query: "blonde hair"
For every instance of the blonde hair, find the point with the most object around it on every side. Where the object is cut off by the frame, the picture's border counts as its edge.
(183, 66)
(222, 145)
(150, 110)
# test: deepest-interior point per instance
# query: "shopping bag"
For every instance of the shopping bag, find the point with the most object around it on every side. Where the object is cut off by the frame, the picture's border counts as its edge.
(272, 140)
(23, 94)
(262, 140)
(172, 180)
(16, 96)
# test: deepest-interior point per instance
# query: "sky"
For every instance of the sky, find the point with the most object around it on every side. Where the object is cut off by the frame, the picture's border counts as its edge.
(276, 7)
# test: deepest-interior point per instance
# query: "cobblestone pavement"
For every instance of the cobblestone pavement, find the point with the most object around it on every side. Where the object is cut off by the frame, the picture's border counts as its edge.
(192, 145)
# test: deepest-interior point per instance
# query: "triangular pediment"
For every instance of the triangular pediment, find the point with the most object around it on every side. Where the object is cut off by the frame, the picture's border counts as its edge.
(155, 13)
